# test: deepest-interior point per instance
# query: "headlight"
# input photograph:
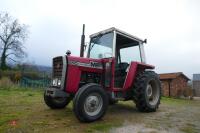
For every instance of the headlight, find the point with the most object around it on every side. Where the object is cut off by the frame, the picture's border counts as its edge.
(56, 82)
(59, 82)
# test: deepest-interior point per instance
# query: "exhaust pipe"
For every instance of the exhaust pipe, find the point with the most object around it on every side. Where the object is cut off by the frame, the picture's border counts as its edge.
(82, 42)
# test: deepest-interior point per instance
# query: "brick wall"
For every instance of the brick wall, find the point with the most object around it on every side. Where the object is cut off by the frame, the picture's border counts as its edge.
(177, 86)
(165, 87)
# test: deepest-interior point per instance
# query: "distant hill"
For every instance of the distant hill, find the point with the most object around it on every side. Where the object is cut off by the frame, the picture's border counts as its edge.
(46, 69)
(32, 68)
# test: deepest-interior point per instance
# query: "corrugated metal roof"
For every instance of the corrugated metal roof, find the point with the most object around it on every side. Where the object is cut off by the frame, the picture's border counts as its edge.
(171, 75)
(196, 77)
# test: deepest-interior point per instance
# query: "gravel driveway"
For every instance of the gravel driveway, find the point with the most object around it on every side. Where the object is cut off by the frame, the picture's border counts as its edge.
(178, 116)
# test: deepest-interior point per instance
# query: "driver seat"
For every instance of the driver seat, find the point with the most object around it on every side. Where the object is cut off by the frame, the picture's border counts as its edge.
(120, 74)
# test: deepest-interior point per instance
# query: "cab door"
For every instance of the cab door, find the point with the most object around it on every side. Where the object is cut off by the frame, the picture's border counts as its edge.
(125, 57)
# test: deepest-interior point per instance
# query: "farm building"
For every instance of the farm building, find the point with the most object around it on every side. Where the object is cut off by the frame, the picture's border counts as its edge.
(173, 84)
(196, 84)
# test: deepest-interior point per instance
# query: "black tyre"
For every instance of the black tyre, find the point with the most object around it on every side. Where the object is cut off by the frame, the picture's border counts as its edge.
(90, 103)
(56, 103)
(147, 91)
(112, 101)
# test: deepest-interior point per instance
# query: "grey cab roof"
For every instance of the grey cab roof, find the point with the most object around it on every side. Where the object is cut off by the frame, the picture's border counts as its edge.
(118, 32)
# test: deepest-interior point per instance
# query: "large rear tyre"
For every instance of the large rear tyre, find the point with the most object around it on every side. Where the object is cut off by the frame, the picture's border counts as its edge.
(147, 91)
(56, 103)
(90, 103)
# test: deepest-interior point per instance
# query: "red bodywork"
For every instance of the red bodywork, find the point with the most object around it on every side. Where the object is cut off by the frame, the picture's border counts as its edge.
(74, 72)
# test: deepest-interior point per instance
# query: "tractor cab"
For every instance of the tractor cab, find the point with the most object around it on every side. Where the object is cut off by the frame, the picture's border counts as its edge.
(122, 47)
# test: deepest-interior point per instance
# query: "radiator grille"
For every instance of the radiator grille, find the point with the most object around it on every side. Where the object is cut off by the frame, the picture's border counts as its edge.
(57, 67)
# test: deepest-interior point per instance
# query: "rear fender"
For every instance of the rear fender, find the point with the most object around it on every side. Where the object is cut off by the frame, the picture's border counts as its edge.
(134, 68)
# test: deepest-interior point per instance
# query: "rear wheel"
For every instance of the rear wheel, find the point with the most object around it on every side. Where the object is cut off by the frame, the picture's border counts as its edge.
(56, 103)
(147, 91)
(90, 103)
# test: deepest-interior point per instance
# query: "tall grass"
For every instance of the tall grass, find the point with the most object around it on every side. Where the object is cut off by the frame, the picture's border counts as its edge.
(6, 83)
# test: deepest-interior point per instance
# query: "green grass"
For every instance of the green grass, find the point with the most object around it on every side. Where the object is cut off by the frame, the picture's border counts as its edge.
(15, 104)
(175, 101)
(27, 108)
(102, 127)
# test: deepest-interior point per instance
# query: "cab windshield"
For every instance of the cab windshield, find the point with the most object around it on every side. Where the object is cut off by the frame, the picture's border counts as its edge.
(101, 46)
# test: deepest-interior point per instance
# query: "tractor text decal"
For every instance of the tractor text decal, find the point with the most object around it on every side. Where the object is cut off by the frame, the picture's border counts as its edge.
(91, 64)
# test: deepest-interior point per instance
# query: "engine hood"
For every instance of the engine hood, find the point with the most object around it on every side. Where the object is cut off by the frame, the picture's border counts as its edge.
(85, 62)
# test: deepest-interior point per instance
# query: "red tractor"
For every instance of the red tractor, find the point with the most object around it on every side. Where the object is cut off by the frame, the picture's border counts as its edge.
(115, 69)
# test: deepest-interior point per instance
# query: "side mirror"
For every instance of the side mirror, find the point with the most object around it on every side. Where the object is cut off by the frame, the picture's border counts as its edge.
(68, 53)
(145, 41)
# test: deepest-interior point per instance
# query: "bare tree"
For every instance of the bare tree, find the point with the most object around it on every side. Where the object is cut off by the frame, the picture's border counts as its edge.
(12, 37)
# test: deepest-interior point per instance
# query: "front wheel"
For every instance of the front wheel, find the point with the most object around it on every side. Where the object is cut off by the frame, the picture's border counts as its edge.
(147, 91)
(90, 103)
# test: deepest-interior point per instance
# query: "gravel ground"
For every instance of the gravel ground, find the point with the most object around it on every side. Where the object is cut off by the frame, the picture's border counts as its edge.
(135, 129)
(196, 98)
(173, 116)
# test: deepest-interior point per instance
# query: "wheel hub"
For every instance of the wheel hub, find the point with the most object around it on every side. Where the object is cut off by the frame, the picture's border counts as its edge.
(149, 91)
(152, 93)
(93, 104)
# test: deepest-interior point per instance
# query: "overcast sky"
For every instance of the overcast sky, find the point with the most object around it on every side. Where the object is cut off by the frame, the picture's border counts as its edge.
(172, 28)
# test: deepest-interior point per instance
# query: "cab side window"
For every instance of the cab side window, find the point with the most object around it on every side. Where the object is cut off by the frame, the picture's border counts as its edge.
(130, 54)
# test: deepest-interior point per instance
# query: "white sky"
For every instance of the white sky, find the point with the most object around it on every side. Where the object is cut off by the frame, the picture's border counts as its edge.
(172, 28)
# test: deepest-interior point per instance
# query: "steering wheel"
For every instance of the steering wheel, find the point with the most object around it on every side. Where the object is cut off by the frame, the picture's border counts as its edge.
(123, 65)
(107, 53)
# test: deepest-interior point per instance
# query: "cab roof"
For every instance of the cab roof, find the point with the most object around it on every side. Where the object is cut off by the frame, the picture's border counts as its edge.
(125, 34)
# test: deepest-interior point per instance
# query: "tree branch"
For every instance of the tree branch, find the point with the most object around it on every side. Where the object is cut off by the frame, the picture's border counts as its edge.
(12, 59)
(11, 54)
(2, 39)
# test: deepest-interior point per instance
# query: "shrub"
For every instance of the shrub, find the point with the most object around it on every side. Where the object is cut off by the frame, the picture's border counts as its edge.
(15, 76)
(6, 83)
(8, 73)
